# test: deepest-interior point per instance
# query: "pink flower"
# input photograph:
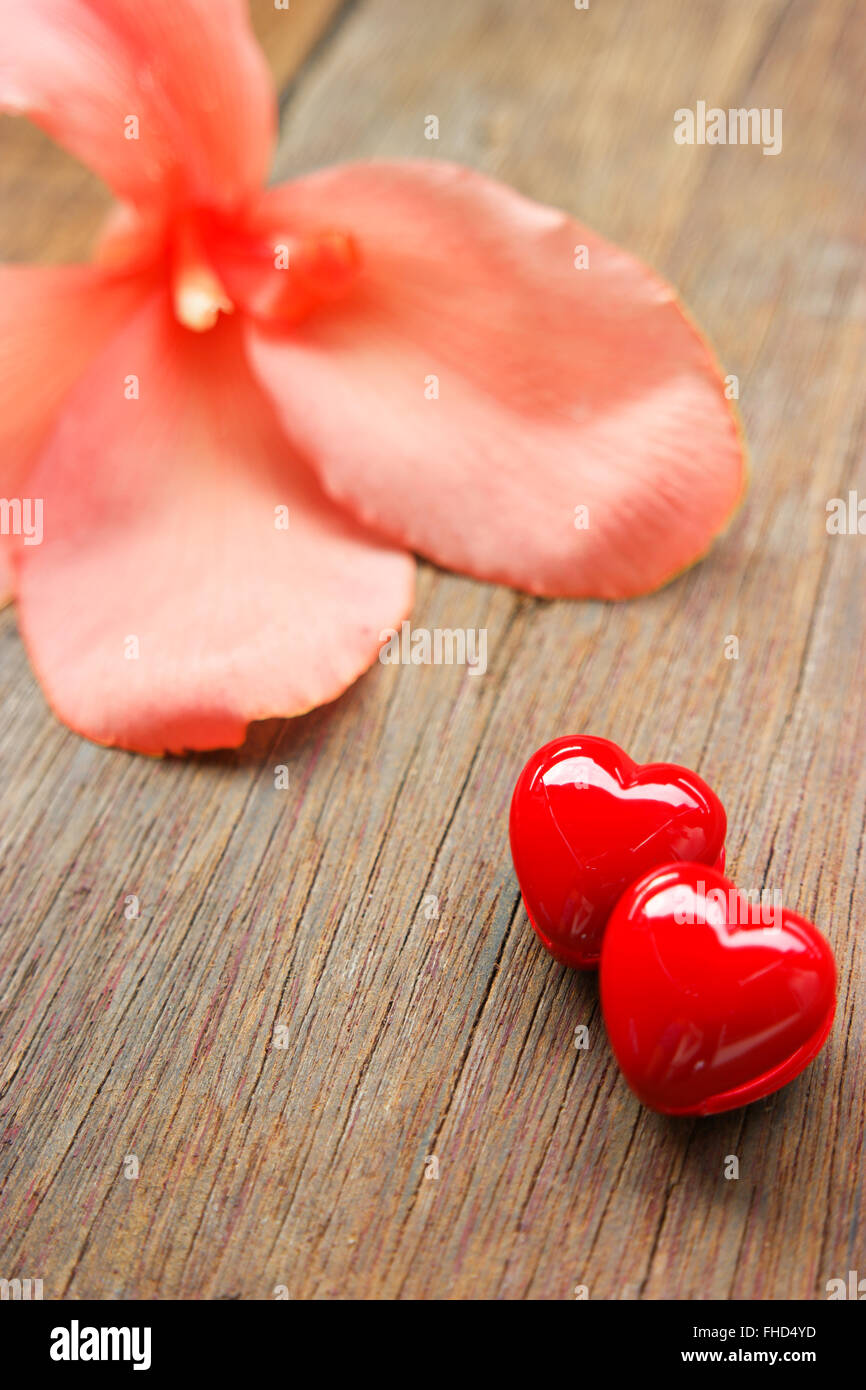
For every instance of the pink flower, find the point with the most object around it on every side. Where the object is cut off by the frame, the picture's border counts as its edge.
(255, 403)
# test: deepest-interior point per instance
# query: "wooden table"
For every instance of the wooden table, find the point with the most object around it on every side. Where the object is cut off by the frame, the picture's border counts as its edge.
(331, 985)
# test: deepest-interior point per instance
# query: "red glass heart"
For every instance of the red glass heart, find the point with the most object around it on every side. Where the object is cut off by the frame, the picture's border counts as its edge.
(586, 821)
(710, 999)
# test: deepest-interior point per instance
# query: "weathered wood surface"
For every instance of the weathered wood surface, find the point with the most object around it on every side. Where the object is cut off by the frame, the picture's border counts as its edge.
(410, 1035)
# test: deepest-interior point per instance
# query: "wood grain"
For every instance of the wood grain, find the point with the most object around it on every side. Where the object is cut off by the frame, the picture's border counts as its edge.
(409, 1035)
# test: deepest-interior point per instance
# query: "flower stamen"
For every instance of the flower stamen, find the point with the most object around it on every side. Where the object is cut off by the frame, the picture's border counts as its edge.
(198, 294)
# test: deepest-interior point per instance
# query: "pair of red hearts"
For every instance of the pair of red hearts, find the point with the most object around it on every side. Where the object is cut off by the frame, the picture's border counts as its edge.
(710, 1000)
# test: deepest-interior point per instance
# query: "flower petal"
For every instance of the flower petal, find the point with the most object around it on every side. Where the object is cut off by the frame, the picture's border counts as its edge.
(5, 580)
(166, 608)
(53, 320)
(475, 388)
(163, 100)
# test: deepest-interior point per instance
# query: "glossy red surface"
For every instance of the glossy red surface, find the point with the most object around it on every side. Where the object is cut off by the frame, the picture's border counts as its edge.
(586, 821)
(709, 1000)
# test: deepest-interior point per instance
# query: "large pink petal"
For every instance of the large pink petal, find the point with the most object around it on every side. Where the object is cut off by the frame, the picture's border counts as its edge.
(559, 388)
(190, 73)
(53, 319)
(162, 537)
(5, 580)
